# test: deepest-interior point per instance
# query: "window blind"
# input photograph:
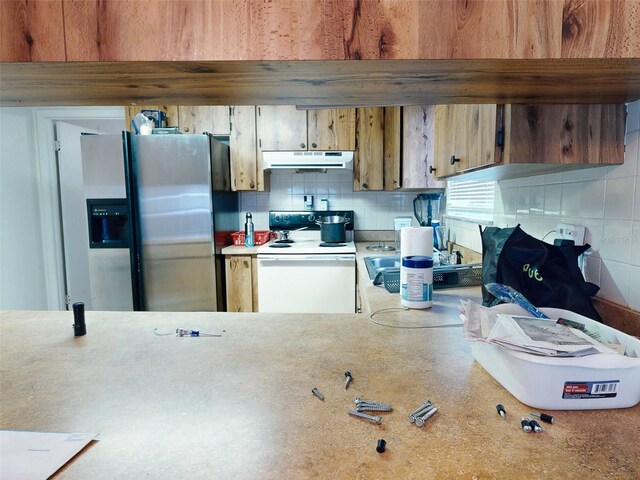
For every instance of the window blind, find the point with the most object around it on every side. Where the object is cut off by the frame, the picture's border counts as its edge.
(471, 200)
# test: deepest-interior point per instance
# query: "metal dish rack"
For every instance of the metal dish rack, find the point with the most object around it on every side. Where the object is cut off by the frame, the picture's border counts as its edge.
(444, 276)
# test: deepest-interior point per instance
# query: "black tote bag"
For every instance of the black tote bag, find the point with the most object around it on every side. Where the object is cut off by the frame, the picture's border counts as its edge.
(548, 275)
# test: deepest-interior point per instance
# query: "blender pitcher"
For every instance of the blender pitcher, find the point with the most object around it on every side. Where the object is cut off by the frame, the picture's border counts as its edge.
(426, 208)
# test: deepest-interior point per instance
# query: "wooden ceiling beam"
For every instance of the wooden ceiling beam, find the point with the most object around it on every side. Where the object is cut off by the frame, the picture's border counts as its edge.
(314, 84)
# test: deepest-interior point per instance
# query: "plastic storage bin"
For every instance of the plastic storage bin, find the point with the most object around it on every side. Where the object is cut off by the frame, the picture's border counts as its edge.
(260, 237)
(592, 382)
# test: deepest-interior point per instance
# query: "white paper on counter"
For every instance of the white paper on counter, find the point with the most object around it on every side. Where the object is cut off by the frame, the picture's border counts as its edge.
(37, 455)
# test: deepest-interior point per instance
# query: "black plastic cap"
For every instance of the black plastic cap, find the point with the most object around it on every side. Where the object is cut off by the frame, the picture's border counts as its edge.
(381, 446)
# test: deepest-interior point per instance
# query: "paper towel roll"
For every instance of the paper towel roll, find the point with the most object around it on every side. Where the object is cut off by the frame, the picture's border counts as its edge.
(416, 241)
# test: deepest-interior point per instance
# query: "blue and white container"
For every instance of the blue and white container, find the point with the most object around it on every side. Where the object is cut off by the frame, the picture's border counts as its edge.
(416, 281)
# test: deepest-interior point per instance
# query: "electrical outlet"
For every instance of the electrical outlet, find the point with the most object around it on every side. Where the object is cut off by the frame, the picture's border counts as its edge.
(571, 232)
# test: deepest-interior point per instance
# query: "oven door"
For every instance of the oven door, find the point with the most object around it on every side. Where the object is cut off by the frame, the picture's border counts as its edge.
(298, 283)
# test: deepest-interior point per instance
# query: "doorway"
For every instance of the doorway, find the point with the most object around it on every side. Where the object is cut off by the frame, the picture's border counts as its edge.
(60, 171)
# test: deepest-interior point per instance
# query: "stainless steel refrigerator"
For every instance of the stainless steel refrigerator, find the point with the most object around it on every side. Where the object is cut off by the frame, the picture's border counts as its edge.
(177, 215)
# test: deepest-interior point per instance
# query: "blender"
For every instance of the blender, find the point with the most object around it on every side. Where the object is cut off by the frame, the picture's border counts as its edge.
(426, 208)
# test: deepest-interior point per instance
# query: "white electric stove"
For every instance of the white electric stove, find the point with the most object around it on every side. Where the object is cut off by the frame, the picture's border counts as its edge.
(304, 274)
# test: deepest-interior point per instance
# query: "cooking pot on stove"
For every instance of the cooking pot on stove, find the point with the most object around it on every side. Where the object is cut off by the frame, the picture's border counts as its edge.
(332, 228)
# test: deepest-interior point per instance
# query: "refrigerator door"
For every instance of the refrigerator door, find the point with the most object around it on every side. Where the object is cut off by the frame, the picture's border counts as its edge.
(170, 195)
(103, 178)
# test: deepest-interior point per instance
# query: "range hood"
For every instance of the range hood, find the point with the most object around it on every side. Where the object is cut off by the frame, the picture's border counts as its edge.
(307, 160)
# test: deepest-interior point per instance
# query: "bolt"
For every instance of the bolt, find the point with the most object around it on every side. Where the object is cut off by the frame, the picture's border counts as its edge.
(419, 411)
(420, 421)
(315, 391)
(415, 416)
(348, 378)
(377, 419)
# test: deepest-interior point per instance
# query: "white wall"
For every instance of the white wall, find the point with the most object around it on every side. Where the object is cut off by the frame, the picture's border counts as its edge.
(373, 210)
(604, 200)
(22, 285)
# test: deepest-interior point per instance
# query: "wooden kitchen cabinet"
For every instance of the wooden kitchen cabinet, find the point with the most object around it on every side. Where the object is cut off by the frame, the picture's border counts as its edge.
(368, 163)
(331, 129)
(246, 165)
(283, 127)
(418, 147)
(189, 119)
(508, 141)
(241, 283)
(200, 119)
(395, 148)
(465, 138)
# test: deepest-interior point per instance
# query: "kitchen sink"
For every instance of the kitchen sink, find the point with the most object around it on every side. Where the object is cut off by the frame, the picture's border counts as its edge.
(377, 265)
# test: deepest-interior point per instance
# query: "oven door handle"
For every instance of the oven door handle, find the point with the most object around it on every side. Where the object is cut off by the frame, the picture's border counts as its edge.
(307, 258)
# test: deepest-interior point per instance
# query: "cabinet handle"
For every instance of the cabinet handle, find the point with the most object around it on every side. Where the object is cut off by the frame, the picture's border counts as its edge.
(186, 129)
(313, 145)
(431, 169)
(453, 160)
(365, 186)
(302, 145)
(252, 185)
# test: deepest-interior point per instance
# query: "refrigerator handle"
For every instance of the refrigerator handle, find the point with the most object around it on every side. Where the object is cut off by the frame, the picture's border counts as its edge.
(135, 247)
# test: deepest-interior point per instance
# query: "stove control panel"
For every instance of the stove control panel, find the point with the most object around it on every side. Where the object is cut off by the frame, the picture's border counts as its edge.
(293, 220)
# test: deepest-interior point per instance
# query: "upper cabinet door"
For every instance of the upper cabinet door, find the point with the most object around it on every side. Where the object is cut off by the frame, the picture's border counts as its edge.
(200, 119)
(368, 167)
(281, 127)
(590, 134)
(465, 137)
(242, 149)
(392, 147)
(332, 129)
(418, 136)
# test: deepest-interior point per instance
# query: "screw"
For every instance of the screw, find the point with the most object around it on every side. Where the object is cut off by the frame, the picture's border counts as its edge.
(348, 379)
(377, 419)
(359, 401)
(373, 407)
(419, 411)
(315, 391)
(420, 421)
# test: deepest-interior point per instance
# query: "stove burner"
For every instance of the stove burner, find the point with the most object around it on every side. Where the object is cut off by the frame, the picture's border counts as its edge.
(332, 244)
(279, 245)
(286, 240)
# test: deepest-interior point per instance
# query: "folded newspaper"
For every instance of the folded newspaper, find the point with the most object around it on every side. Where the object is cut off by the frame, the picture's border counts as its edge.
(532, 335)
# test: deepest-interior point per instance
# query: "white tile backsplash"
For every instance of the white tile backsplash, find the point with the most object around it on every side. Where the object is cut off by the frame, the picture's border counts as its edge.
(618, 199)
(592, 199)
(571, 198)
(373, 210)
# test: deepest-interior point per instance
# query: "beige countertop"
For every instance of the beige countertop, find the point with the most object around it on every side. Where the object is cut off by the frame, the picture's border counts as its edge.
(240, 406)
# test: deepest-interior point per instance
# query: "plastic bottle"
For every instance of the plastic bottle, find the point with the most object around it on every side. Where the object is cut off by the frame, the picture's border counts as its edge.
(248, 231)
(416, 281)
